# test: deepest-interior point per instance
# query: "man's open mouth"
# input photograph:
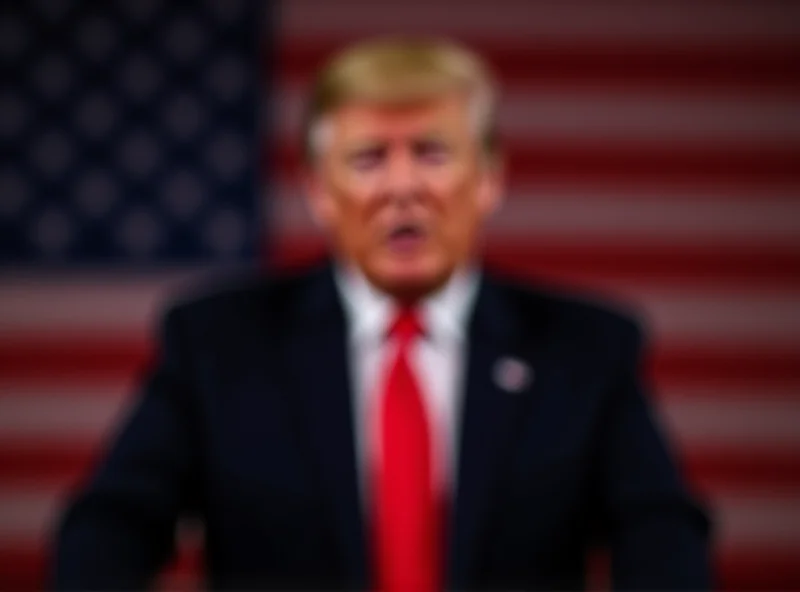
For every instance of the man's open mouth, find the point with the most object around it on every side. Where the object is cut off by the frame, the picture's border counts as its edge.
(406, 237)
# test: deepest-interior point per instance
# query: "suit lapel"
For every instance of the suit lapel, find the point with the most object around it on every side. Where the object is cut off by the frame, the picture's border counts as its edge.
(487, 425)
(317, 359)
(317, 352)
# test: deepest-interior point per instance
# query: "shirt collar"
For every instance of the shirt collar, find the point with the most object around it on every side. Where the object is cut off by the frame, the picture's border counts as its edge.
(445, 313)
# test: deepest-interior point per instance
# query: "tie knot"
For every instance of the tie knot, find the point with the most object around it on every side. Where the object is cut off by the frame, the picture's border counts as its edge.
(406, 325)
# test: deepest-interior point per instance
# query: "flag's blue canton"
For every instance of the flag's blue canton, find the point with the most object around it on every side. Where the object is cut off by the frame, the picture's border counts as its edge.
(129, 132)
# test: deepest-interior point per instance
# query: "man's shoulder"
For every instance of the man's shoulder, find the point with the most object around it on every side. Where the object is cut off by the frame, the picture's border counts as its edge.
(270, 301)
(243, 298)
(568, 312)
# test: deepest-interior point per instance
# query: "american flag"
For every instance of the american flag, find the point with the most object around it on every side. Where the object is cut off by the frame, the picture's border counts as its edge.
(654, 158)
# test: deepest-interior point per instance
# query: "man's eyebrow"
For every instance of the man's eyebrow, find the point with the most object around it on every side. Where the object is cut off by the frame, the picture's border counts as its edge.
(363, 146)
(435, 135)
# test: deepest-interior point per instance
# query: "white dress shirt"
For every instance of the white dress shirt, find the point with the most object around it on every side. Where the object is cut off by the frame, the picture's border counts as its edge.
(437, 359)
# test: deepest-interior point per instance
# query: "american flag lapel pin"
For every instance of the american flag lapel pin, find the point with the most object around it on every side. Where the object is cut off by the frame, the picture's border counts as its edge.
(512, 375)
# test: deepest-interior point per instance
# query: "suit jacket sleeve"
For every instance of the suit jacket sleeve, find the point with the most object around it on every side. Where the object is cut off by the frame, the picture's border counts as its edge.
(658, 536)
(120, 529)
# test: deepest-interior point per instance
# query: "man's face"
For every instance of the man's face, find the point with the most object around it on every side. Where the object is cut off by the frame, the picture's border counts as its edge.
(404, 190)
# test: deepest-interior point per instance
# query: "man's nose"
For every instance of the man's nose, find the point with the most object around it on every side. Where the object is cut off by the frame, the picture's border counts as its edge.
(402, 179)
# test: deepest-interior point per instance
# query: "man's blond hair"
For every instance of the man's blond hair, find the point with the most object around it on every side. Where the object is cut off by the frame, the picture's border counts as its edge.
(398, 70)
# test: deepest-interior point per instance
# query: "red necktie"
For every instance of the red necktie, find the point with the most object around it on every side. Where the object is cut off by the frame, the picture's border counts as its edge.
(407, 522)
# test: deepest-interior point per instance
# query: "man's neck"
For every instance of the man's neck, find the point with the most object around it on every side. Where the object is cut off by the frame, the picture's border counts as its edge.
(405, 295)
(449, 306)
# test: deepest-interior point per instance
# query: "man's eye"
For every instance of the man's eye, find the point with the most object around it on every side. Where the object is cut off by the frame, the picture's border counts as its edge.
(433, 152)
(366, 159)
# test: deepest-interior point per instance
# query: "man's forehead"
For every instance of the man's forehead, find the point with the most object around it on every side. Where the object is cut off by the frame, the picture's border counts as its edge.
(359, 118)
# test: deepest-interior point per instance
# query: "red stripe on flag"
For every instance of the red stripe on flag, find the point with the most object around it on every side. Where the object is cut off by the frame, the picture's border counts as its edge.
(68, 356)
(26, 568)
(740, 65)
(775, 569)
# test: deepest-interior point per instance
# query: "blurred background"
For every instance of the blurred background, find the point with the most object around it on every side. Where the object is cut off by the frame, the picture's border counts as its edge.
(653, 156)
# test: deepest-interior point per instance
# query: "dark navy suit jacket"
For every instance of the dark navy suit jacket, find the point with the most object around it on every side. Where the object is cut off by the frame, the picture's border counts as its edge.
(246, 421)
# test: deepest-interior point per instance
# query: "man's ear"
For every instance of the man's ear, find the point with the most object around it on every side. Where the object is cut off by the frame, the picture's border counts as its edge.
(491, 189)
(318, 199)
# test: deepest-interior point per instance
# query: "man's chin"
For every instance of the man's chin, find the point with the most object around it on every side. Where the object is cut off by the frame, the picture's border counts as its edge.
(409, 280)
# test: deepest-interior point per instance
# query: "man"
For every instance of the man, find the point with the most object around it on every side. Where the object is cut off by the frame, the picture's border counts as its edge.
(396, 420)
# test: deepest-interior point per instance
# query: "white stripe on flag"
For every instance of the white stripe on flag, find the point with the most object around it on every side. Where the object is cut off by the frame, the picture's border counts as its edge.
(87, 302)
(764, 420)
(62, 414)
